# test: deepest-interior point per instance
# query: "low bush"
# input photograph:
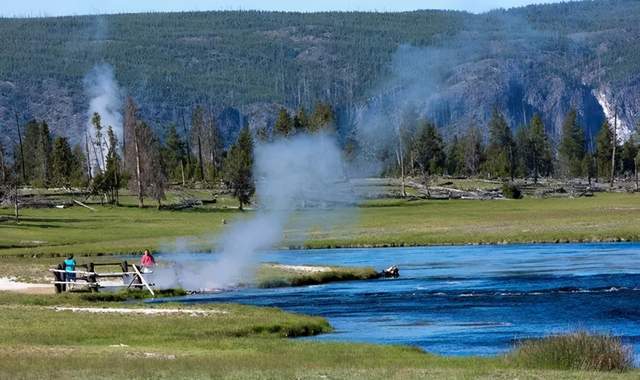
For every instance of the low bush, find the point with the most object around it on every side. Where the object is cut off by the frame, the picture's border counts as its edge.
(511, 191)
(574, 351)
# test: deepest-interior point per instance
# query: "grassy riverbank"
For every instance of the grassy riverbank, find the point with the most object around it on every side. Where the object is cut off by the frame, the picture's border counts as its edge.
(35, 270)
(393, 222)
(222, 341)
(275, 276)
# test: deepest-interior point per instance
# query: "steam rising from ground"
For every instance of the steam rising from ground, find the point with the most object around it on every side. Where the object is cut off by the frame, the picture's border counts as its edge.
(438, 82)
(106, 99)
(301, 173)
(308, 171)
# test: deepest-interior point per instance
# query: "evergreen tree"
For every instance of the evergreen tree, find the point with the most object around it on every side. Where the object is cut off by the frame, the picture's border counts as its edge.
(533, 149)
(541, 149)
(284, 125)
(572, 146)
(500, 152)
(628, 157)
(322, 118)
(604, 149)
(455, 157)
(174, 154)
(155, 178)
(62, 163)
(300, 121)
(238, 168)
(78, 173)
(37, 153)
(428, 150)
(31, 150)
(45, 149)
(523, 152)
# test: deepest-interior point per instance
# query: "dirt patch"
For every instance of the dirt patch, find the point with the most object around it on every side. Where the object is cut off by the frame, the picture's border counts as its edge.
(143, 311)
(151, 355)
(11, 285)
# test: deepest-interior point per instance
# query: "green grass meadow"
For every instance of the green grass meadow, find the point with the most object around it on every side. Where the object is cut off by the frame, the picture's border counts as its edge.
(387, 222)
(241, 342)
(604, 217)
(232, 342)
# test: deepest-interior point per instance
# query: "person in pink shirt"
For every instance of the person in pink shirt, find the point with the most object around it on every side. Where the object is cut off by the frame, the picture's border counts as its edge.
(147, 261)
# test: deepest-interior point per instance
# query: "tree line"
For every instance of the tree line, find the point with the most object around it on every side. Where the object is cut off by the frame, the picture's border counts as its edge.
(146, 162)
(528, 153)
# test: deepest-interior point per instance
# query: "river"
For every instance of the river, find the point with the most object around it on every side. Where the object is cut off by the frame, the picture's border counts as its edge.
(466, 300)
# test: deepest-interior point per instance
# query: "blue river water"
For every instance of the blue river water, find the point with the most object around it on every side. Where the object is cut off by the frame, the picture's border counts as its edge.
(466, 300)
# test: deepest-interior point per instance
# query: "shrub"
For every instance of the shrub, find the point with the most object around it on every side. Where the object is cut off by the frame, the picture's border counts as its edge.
(511, 191)
(574, 351)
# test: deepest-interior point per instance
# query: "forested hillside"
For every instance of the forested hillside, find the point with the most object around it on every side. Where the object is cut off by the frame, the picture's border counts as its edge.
(242, 66)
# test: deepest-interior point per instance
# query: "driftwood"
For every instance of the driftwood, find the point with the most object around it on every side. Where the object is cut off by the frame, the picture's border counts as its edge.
(391, 272)
(83, 205)
(443, 193)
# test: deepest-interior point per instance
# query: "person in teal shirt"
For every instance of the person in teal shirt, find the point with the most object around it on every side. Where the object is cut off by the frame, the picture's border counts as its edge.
(69, 268)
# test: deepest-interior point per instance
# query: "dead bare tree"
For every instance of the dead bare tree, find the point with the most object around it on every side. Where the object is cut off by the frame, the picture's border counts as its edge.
(186, 136)
(213, 146)
(153, 174)
(142, 157)
(197, 135)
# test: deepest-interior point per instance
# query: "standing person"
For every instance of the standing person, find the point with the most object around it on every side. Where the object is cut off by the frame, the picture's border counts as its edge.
(147, 262)
(69, 269)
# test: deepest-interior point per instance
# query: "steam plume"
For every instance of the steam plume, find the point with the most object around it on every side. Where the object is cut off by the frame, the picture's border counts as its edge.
(301, 172)
(106, 99)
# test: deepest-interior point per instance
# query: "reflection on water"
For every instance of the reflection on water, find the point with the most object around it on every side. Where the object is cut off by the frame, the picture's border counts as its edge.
(466, 300)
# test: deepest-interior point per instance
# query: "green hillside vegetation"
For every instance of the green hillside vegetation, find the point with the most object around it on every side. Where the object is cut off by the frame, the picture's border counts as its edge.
(171, 61)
